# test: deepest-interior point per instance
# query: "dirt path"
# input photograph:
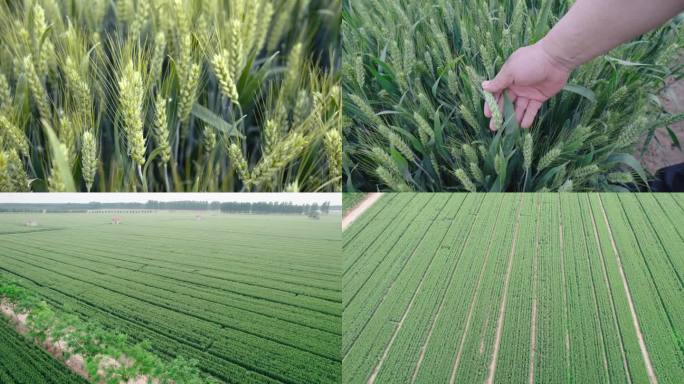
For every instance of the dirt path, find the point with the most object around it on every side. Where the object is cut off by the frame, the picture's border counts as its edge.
(360, 208)
(504, 300)
(660, 152)
(635, 320)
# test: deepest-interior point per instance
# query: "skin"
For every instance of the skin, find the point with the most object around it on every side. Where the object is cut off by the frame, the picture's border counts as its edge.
(535, 73)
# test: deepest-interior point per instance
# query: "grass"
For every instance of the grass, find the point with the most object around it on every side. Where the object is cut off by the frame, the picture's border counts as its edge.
(170, 95)
(414, 105)
(251, 298)
(441, 288)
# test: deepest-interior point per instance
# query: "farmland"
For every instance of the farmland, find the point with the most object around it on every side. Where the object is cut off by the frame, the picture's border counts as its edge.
(253, 298)
(23, 363)
(515, 288)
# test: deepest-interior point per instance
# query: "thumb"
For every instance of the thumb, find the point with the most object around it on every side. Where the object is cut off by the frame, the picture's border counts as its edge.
(502, 81)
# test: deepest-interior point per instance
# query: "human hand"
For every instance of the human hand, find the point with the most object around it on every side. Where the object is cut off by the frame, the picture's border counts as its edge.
(531, 75)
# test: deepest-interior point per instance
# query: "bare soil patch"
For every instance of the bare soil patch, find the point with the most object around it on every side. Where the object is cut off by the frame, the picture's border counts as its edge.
(660, 152)
(360, 208)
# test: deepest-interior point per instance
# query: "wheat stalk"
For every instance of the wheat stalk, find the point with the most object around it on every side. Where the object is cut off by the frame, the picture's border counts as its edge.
(16, 138)
(497, 118)
(528, 152)
(36, 87)
(465, 180)
(240, 164)
(333, 148)
(161, 129)
(209, 139)
(131, 94)
(188, 93)
(158, 56)
(88, 159)
(5, 94)
(271, 135)
(548, 158)
(280, 156)
(226, 81)
(15, 178)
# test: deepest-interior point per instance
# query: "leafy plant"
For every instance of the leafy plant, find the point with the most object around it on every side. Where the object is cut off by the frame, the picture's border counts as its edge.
(414, 105)
(95, 343)
(169, 95)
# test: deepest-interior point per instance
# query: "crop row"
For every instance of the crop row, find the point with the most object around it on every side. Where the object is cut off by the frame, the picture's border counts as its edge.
(652, 283)
(289, 262)
(242, 270)
(144, 303)
(173, 332)
(99, 260)
(23, 363)
(425, 303)
(515, 288)
(391, 258)
(266, 315)
(141, 286)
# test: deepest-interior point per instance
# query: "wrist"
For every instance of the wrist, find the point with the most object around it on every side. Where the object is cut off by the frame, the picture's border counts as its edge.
(557, 55)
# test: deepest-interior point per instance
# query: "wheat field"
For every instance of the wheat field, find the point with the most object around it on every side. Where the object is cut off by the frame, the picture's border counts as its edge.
(413, 101)
(170, 95)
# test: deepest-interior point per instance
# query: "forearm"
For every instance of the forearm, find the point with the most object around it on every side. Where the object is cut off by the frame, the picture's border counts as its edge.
(594, 27)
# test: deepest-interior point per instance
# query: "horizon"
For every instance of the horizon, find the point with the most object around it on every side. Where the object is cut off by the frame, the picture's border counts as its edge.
(142, 198)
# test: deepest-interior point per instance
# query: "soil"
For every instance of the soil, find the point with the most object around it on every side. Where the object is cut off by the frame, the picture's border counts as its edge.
(360, 208)
(661, 152)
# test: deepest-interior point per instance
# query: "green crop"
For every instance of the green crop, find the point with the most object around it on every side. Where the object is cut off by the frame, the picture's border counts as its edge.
(169, 95)
(514, 288)
(251, 298)
(414, 105)
(24, 362)
(91, 341)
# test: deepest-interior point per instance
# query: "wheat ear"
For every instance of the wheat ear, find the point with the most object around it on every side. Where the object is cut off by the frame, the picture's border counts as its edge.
(89, 159)
(161, 129)
(333, 149)
(131, 95)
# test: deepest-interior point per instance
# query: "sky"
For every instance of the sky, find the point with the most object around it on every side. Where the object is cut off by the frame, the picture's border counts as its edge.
(46, 198)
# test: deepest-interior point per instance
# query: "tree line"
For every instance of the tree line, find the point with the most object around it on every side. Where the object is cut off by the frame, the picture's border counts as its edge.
(225, 207)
